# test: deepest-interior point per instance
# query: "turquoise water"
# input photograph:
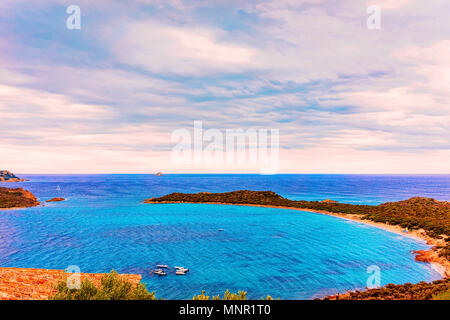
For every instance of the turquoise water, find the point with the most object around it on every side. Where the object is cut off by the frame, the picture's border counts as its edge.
(285, 253)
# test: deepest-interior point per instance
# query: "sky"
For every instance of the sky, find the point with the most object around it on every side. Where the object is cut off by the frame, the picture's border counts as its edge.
(106, 98)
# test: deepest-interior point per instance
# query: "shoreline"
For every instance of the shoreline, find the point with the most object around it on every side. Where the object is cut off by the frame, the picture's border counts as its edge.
(16, 208)
(439, 264)
(21, 208)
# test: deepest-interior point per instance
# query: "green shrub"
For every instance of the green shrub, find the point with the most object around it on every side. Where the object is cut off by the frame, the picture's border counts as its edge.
(241, 295)
(442, 296)
(437, 290)
(112, 287)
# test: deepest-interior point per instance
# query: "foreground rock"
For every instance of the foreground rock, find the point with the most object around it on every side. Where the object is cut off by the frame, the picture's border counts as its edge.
(40, 284)
(56, 200)
(17, 198)
(6, 176)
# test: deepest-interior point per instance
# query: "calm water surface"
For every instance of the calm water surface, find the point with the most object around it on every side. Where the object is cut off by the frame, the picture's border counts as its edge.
(284, 253)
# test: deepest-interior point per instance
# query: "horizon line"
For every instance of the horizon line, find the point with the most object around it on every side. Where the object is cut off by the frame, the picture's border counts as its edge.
(224, 173)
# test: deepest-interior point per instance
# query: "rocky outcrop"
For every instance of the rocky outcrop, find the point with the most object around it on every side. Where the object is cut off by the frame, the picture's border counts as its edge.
(55, 200)
(432, 256)
(40, 284)
(7, 176)
(424, 256)
(17, 198)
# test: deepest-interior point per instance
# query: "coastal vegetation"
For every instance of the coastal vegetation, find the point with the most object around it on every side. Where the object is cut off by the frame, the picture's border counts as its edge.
(16, 198)
(437, 290)
(442, 296)
(241, 295)
(416, 213)
(7, 176)
(112, 287)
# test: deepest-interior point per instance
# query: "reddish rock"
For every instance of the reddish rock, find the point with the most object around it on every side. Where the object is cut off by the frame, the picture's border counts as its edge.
(55, 200)
(17, 198)
(425, 256)
(40, 284)
(7, 176)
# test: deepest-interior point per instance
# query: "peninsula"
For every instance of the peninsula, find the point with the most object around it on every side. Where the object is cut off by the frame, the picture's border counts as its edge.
(7, 176)
(436, 290)
(17, 198)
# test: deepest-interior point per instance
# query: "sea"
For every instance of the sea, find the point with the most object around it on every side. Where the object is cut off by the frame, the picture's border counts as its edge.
(104, 225)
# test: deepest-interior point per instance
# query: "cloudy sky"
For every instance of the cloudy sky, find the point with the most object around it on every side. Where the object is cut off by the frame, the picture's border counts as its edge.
(106, 98)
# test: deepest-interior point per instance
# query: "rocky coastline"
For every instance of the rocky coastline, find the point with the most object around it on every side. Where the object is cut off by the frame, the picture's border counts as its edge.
(17, 198)
(7, 176)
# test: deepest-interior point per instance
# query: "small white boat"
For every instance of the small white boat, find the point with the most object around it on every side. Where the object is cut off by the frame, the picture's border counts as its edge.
(180, 272)
(162, 266)
(182, 269)
(160, 273)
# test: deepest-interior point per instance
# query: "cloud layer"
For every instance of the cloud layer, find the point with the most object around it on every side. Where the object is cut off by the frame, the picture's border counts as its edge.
(107, 97)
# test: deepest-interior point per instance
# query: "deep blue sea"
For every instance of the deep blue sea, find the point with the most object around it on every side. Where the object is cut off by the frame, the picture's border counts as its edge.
(289, 254)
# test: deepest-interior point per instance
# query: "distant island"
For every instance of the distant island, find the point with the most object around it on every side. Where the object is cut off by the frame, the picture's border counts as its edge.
(56, 200)
(418, 217)
(17, 198)
(7, 176)
(159, 174)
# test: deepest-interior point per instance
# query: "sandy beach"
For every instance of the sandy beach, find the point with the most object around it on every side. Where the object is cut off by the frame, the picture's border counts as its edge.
(13, 208)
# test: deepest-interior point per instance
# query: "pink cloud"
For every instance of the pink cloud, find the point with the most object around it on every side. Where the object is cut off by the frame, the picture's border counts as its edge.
(391, 4)
(159, 47)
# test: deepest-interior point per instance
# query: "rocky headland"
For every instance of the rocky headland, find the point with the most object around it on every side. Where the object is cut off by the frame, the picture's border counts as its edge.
(7, 176)
(17, 198)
